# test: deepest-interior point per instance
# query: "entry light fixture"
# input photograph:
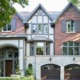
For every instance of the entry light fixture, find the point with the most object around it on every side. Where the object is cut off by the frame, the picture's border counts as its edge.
(73, 58)
(50, 59)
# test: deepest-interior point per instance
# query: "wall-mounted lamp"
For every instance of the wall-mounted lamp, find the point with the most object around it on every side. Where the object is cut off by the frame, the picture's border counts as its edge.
(50, 59)
(73, 58)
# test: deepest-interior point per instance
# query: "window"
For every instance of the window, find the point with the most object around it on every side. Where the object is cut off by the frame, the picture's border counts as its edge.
(40, 28)
(71, 26)
(47, 48)
(39, 48)
(7, 28)
(45, 28)
(34, 28)
(32, 49)
(71, 48)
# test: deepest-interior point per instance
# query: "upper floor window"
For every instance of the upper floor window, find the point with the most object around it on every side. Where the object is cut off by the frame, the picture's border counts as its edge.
(40, 48)
(7, 28)
(71, 48)
(40, 28)
(70, 26)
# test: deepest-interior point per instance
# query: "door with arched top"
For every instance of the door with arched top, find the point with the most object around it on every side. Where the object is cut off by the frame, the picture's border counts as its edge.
(8, 61)
(50, 72)
(72, 72)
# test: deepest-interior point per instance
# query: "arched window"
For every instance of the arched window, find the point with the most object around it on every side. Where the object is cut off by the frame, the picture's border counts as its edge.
(71, 48)
(30, 66)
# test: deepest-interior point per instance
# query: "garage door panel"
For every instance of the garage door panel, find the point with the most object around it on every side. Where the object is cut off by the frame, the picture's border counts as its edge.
(72, 72)
(50, 73)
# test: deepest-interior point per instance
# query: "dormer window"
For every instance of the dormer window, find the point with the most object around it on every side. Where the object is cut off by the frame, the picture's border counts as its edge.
(7, 28)
(70, 26)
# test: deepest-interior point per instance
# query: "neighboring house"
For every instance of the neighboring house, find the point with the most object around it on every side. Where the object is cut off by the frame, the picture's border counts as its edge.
(47, 41)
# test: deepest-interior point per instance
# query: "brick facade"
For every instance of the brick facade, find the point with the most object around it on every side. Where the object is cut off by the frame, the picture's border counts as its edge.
(20, 29)
(60, 37)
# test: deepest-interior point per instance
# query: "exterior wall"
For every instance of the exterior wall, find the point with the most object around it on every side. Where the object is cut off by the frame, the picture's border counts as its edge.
(37, 60)
(20, 29)
(61, 61)
(50, 35)
(60, 37)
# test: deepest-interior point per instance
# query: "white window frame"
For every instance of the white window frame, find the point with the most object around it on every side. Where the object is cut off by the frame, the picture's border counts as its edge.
(69, 22)
(73, 48)
(7, 28)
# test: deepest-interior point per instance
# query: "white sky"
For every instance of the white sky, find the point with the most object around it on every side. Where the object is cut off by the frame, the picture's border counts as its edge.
(49, 5)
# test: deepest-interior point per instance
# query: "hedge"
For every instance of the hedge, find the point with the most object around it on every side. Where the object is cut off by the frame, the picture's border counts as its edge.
(17, 78)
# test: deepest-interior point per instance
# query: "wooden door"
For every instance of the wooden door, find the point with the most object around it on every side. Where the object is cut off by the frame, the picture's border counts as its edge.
(8, 67)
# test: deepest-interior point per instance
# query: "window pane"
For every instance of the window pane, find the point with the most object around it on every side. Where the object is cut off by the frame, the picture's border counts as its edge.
(45, 28)
(69, 28)
(4, 29)
(34, 28)
(9, 27)
(70, 51)
(32, 49)
(1, 68)
(64, 50)
(47, 48)
(76, 51)
(70, 43)
(40, 28)
(16, 54)
(65, 44)
(39, 48)
(76, 44)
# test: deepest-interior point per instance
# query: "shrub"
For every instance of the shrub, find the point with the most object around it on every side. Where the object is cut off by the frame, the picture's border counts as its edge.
(17, 78)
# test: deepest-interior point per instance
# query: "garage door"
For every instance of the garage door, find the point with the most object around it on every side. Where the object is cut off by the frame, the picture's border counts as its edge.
(72, 72)
(50, 72)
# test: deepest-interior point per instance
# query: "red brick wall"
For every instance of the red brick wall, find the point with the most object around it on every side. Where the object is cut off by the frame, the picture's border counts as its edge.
(20, 29)
(60, 37)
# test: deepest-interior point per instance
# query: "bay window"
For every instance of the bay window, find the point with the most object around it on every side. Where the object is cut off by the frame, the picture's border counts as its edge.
(39, 48)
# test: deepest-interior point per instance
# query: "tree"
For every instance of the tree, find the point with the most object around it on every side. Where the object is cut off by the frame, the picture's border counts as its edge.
(7, 10)
(75, 2)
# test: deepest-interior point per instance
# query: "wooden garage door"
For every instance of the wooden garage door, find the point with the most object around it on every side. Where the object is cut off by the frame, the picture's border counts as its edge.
(50, 72)
(72, 72)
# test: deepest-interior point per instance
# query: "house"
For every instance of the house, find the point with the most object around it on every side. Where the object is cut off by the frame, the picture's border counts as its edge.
(47, 41)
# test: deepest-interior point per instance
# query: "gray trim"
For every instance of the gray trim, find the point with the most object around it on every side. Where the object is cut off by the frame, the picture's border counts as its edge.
(13, 36)
(34, 11)
(18, 14)
(40, 34)
(29, 41)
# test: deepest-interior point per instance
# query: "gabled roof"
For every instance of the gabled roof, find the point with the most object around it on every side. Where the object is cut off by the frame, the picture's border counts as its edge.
(69, 4)
(34, 11)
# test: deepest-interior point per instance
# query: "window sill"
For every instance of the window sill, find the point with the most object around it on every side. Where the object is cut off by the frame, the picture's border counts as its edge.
(70, 32)
(6, 31)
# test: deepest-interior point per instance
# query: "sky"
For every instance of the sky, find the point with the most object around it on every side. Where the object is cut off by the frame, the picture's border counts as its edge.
(49, 5)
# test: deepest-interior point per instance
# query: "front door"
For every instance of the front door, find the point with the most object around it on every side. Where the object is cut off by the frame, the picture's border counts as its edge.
(8, 67)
